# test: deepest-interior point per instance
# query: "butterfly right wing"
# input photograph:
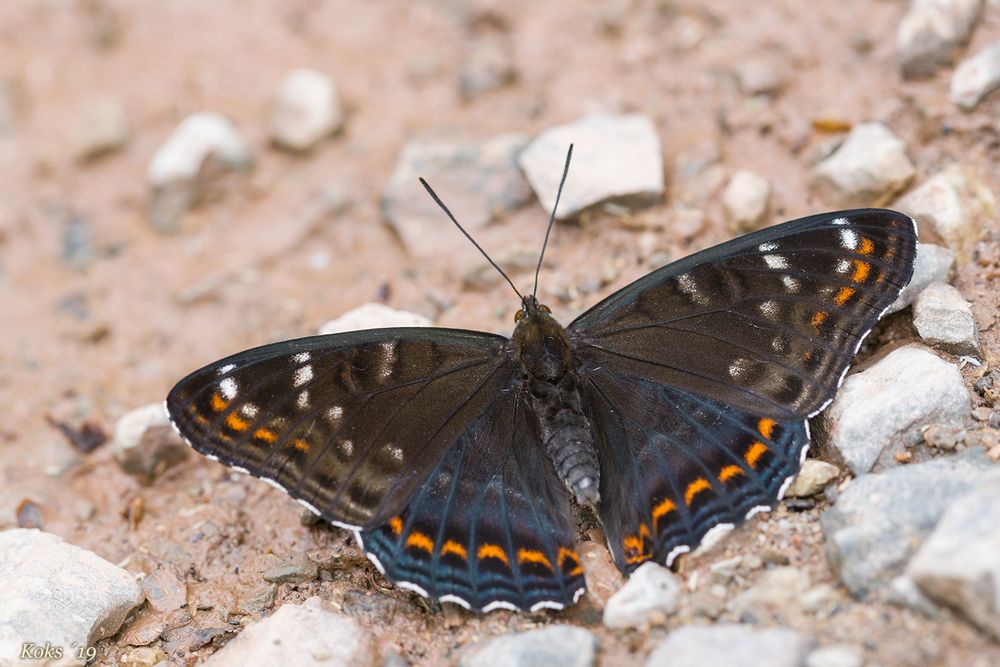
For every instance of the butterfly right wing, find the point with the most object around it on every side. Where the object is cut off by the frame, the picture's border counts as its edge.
(350, 424)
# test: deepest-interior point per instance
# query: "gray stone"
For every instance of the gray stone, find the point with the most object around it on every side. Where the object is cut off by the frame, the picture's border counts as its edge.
(58, 593)
(649, 595)
(306, 110)
(943, 318)
(165, 588)
(617, 158)
(145, 445)
(202, 142)
(728, 645)
(477, 181)
(834, 656)
(933, 264)
(373, 316)
(975, 77)
(932, 32)
(759, 76)
(884, 408)
(904, 592)
(879, 520)
(746, 200)
(774, 592)
(306, 634)
(957, 565)
(293, 570)
(951, 207)
(103, 129)
(553, 646)
(813, 477)
(868, 169)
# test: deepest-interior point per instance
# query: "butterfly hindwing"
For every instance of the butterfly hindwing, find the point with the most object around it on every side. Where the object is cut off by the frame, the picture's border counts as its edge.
(675, 465)
(350, 424)
(768, 322)
(491, 527)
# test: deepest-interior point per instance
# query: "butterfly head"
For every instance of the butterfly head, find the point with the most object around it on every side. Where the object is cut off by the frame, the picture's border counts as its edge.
(543, 348)
(533, 310)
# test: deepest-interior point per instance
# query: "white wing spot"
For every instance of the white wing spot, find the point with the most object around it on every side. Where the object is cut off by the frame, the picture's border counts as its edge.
(228, 388)
(770, 308)
(387, 361)
(346, 448)
(843, 266)
(791, 284)
(767, 247)
(335, 413)
(303, 375)
(303, 399)
(249, 410)
(848, 239)
(776, 261)
(301, 357)
(689, 287)
(841, 221)
(225, 369)
(395, 453)
(739, 367)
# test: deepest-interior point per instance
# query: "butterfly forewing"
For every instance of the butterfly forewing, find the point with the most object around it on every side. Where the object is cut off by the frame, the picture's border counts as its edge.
(768, 322)
(348, 423)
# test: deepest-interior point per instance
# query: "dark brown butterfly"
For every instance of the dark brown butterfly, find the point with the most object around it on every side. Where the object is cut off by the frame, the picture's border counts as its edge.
(676, 408)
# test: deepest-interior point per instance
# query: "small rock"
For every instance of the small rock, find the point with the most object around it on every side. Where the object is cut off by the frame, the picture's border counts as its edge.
(373, 316)
(834, 656)
(616, 159)
(933, 264)
(144, 657)
(868, 169)
(731, 645)
(883, 408)
(78, 248)
(941, 436)
(165, 588)
(746, 200)
(953, 206)
(822, 599)
(957, 565)
(943, 318)
(292, 570)
(982, 413)
(603, 578)
(931, 33)
(145, 444)
(306, 634)
(103, 129)
(259, 600)
(477, 181)
(651, 589)
(904, 592)
(975, 77)
(202, 142)
(758, 76)
(776, 591)
(306, 110)
(553, 646)
(57, 593)
(487, 66)
(812, 478)
(879, 520)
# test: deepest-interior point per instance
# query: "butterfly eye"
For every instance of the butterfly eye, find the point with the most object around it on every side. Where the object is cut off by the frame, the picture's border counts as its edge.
(545, 309)
(518, 315)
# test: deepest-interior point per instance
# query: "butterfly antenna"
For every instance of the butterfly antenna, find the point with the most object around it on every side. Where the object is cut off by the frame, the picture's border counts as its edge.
(451, 217)
(552, 219)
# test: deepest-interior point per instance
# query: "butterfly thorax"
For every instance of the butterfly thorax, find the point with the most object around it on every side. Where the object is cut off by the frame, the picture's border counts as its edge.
(551, 382)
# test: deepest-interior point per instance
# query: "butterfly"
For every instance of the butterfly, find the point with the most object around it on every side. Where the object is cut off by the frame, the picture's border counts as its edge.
(674, 409)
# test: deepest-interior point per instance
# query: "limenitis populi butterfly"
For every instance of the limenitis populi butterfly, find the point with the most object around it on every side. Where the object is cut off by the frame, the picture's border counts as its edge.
(675, 408)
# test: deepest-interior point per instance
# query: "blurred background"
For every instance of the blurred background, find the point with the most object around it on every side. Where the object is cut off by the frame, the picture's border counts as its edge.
(183, 180)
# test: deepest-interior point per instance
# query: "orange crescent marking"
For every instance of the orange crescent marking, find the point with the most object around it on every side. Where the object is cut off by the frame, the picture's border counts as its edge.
(218, 403)
(533, 556)
(633, 549)
(867, 246)
(453, 547)
(818, 318)
(266, 435)
(694, 488)
(420, 541)
(661, 510)
(843, 295)
(729, 472)
(569, 554)
(766, 427)
(492, 551)
(396, 525)
(861, 271)
(300, 444)
(234, 422)
(753, 454)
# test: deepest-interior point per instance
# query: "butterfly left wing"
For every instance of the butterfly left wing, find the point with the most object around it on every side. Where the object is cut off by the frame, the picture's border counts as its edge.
(491, 528)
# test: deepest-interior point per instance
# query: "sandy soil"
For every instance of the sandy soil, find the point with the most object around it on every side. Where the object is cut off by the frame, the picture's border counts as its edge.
(264, 262)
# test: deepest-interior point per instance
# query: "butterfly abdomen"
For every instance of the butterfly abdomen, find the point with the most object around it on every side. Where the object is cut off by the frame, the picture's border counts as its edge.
(544, 353)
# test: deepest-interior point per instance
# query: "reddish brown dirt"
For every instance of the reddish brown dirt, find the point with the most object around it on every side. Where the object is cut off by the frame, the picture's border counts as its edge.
(92, 343)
